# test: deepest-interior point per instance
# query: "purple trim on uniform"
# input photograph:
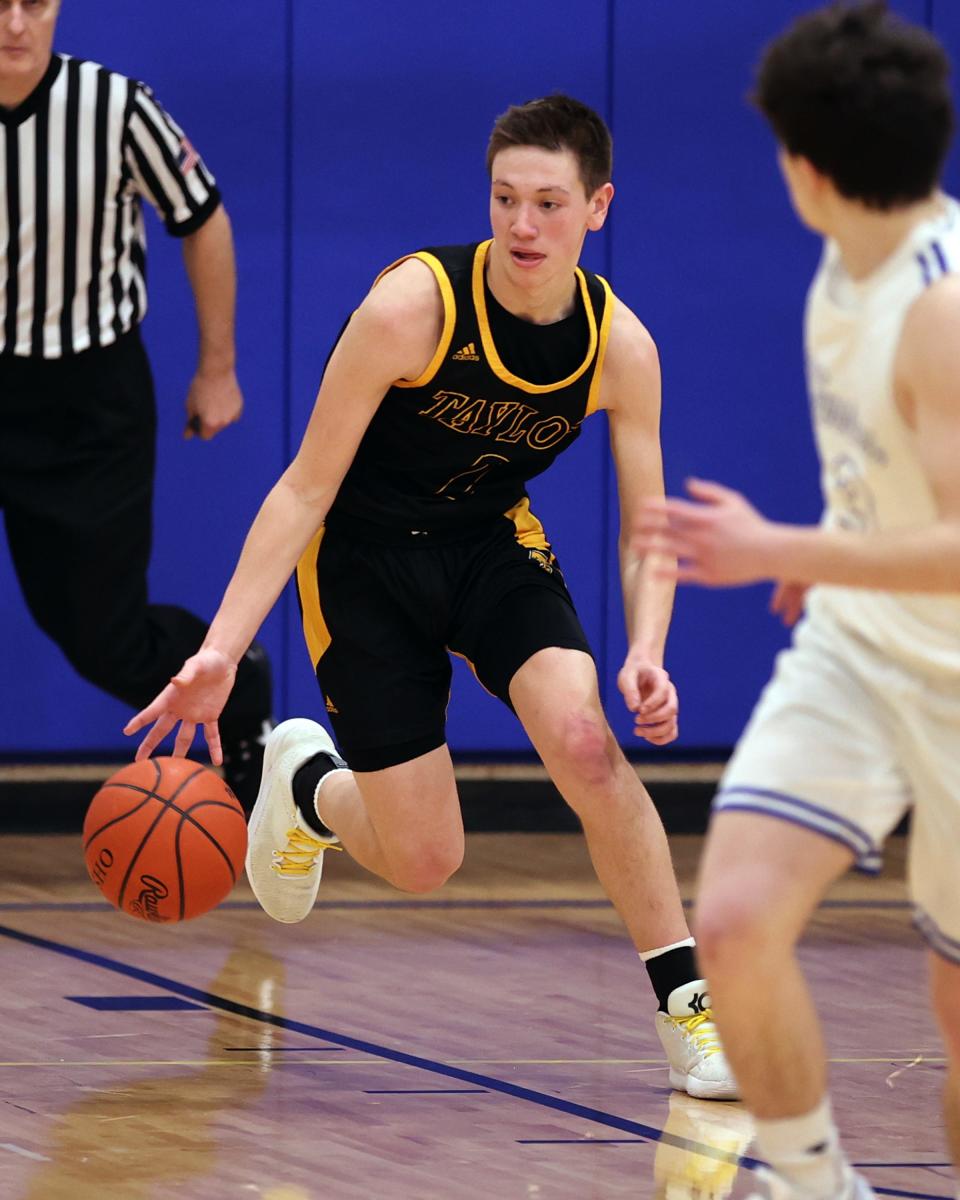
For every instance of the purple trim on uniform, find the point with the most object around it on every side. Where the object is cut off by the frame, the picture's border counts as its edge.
(869, 864)
(946, 947)
(925, 268)
(941, 258)
(786, 798)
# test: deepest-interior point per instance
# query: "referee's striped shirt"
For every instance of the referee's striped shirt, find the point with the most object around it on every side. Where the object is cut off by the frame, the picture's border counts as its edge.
(75, 159)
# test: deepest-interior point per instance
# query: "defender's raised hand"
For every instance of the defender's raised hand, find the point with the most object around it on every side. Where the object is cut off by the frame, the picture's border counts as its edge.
(718, 538)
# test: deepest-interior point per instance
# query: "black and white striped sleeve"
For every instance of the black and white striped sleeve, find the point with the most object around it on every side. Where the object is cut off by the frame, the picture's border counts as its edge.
(165, 167)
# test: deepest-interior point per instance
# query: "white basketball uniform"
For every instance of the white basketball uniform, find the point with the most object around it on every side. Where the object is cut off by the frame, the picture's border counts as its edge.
(861, 720)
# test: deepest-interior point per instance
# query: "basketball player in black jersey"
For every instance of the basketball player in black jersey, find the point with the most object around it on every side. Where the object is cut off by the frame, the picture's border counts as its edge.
(463, 373)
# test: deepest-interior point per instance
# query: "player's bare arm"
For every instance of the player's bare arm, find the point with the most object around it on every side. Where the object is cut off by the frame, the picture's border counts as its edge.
(392, 335)
(630, 393)
(720, 539)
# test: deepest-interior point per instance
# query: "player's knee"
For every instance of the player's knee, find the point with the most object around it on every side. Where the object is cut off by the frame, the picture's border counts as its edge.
(730, 929)
(425, 868)
(587, 750)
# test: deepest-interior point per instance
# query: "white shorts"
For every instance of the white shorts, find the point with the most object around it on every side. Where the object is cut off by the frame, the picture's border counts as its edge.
(845, 742)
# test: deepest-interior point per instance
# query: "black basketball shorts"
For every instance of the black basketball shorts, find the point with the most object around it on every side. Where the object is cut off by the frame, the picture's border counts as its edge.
(382, 617)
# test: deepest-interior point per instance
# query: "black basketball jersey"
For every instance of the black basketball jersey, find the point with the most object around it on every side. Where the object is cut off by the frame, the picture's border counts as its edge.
(456, 446)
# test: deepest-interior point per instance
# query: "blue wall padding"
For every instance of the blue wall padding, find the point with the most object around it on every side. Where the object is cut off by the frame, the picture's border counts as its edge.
(344, 136)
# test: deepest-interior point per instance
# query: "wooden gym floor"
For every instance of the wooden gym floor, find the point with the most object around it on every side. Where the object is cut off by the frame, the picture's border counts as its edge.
(494, 1042)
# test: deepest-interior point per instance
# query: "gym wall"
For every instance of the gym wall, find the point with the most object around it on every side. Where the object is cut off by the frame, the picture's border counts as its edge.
(346, 135)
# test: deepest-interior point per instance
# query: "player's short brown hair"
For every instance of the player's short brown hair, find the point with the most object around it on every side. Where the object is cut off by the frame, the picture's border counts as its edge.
(558, 122)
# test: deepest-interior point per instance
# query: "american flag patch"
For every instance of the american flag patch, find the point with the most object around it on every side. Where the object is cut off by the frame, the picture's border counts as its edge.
(188, 157)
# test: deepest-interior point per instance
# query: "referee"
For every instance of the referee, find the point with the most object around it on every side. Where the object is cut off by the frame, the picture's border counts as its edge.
(80, 148)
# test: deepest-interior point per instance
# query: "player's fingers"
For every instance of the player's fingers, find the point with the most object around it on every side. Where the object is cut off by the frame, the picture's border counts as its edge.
(667, 516)
(146, 716)
(653, 515)
(155, 737)
(185, 676)
(664, 546)
(184, 739)
(627, 683)
(211, 731)
(631, 698)
(667, 711)
(708, 491)
(653, 717)
(136, 723)
(656, 692)
(667, 571)
(690, 572)
(665, 731)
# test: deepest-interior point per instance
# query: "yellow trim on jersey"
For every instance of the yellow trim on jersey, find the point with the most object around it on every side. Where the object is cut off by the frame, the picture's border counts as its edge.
(449, 315)
(530, 533)
(315, 631)
(493, 358)
(593, 399)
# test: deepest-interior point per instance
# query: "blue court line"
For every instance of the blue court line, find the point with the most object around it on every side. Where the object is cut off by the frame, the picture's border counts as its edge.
(488, 1083)
(283, 1049)
(914, 1165)
(137, 1003)
(14, 906)
(908, 1195)
(582, 1142)
(592, 1141)
(426, 1091)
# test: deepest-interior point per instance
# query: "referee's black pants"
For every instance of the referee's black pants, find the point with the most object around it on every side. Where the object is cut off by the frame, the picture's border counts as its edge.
(77, 452)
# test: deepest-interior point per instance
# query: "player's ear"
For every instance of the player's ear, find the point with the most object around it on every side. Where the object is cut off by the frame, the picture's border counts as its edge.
(600, 206)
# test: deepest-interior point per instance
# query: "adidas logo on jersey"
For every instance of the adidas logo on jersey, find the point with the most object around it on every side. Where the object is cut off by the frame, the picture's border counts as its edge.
(331, 707)
(467, 354)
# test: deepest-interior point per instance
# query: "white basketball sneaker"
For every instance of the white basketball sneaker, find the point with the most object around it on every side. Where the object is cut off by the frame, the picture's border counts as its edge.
(698, 1065)
(856, 1188)
(284, 855)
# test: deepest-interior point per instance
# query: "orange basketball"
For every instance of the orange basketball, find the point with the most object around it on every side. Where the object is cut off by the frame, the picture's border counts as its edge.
(164, 839)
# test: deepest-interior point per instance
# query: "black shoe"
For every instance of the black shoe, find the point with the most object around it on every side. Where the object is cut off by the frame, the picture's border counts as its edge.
(243, 764)
(246, 724)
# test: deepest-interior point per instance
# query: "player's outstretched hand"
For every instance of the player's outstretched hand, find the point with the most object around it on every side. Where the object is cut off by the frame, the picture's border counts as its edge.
(718, 538)
(788, 600)
(195, 696)
(649, 694)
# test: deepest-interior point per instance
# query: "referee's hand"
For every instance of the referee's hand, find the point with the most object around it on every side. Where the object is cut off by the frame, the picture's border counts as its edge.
(214, 401)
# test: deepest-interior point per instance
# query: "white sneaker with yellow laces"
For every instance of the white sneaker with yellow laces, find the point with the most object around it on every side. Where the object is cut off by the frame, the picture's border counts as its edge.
(691, 1043)
(284, 855)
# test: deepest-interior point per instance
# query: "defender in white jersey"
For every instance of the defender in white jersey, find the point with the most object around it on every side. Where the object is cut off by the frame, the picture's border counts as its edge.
(861, 721)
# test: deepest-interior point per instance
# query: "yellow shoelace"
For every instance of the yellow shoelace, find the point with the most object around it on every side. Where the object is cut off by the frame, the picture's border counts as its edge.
(703, 1031)
(300, 854)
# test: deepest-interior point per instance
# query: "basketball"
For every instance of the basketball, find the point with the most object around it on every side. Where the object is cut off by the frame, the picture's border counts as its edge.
(164, 839)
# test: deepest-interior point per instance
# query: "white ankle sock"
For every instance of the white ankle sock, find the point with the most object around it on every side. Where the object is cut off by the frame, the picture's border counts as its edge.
(806, 1152)
(646, 955)
(316, 792)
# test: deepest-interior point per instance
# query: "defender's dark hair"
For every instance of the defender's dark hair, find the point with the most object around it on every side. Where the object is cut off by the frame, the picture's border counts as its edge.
(865, 97)
(558, 122)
